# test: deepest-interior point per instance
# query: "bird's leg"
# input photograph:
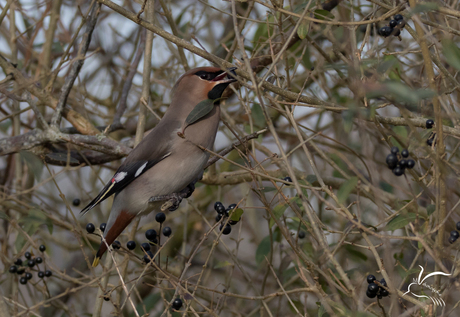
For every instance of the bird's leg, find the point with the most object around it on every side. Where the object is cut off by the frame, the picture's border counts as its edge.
(173, 200)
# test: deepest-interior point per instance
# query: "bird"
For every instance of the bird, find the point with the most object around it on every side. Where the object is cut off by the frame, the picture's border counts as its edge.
(171, 158)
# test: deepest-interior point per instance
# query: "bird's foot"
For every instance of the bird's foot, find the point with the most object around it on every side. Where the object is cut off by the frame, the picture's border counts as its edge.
(172, 201)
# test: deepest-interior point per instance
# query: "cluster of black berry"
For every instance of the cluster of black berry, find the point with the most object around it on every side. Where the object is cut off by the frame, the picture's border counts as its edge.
(394, 27)
(454, 235)
(224, 213)
(429, 125)
(398, 162)
(375, 290)
(151, 235)
(23, 268)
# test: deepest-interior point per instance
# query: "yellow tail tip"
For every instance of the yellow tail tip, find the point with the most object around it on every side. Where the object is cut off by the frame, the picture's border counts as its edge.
(96, 261)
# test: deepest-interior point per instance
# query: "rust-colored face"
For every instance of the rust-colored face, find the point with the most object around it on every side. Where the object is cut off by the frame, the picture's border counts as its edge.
(204, 82)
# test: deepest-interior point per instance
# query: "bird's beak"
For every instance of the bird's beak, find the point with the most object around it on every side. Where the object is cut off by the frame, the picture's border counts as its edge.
(227, 77)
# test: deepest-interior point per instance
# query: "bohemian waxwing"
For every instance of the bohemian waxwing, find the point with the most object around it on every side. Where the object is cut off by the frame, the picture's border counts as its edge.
(168, 159)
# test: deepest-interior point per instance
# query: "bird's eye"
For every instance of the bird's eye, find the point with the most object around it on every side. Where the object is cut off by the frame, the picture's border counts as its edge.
(205, 76)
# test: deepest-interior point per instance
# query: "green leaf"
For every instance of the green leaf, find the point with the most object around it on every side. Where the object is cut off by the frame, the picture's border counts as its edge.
(346, 189)
(323, 15)
(150, 302)
(355, 254)
(263, 250)
(220, 265)
(424, 7)
(430, 209)
(61, 157)
(4, 216)
(34, 163)
(321, 311)
(400, 221)
(311, 179)
(258, 115)
(302, 31)
(451, 53)
(278, 211)
(201, 109)
(236, 215)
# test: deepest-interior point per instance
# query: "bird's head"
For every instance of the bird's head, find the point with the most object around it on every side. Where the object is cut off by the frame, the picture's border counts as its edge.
(203, 83)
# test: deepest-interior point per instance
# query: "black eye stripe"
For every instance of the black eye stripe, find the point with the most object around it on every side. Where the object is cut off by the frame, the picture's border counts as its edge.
(207, 75)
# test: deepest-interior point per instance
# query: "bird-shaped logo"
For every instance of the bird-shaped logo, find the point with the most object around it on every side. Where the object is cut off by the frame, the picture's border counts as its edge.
(436, 298)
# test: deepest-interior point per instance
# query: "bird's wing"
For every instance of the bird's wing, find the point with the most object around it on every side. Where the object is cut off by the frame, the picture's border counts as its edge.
(155, 147)
(122, 178)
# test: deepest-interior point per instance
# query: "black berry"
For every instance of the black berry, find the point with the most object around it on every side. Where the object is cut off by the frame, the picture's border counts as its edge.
(219, 207)
(167, 231)
(18, 262)
(384, 292)
(405, 153)
(48, 273)
(27, 255)
(106, 298)
(13, 269)
(148, 257)
(160, 217)
(370, 295)
(90, 228)
(429, 142)
(41, 274)
(23, 280)
(452, 239)
(28, 275)
(287, 179)
(76, 202)
(457, 225)
(151, 234)
(38, 260)
(218, 217)
(385, 31)
(42, 248)
(401, 24)
(102, 226)
(20, 271)
(394, 150)
(398, 17)
(370, 279)
(392, 161)
(429, 123)
(232, 222)
(225, 230)
(232, 206)
(177, 304)
(31, 263)
(301, 234)
(455, 234)
(145, 246)
(373, 288)
(116, 245)
(393, 23)
(396, 32)
(383, 282)
(402, 163)
(131, 245)
(398, 171)
(410, 164)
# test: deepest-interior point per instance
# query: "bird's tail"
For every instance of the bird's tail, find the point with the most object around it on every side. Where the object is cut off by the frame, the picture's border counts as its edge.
(122, 221)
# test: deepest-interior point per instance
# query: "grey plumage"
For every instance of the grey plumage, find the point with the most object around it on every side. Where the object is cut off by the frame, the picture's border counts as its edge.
(164, 163)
